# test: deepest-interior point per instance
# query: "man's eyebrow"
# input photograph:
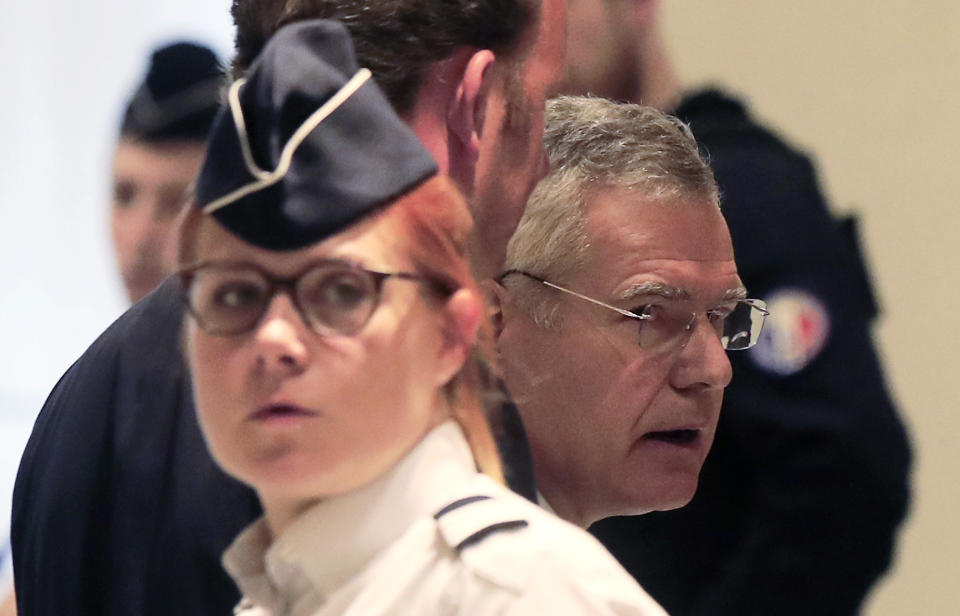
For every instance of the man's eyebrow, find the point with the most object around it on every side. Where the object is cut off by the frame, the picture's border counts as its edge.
(670, 292)
(735, 293)
(658, 289)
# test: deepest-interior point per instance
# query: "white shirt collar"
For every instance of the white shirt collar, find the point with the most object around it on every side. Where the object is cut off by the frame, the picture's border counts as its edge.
(333, 540)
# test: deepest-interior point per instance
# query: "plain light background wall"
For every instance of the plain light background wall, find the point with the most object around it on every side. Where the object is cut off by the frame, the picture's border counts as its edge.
(872, 90)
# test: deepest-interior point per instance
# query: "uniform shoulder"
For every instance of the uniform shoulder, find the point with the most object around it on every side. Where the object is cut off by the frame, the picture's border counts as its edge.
(146, 328)
(720, 121)
(517, 546)
(141, 345)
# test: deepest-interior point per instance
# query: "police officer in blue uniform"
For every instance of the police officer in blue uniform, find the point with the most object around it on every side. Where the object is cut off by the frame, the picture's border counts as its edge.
(161, 144)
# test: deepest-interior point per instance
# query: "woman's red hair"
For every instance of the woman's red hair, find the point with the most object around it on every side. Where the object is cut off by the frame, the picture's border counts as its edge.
(433, 225)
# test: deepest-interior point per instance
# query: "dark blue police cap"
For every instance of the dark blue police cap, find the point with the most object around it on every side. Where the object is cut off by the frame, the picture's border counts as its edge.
(308, 144)
(179, 95)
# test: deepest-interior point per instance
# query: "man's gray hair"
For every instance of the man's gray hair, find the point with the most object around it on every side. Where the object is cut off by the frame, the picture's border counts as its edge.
(596, 144)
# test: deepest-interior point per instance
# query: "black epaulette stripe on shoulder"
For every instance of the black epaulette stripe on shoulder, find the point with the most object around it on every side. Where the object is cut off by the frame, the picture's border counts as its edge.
(469, 527)
(483, 533)
(459, 503)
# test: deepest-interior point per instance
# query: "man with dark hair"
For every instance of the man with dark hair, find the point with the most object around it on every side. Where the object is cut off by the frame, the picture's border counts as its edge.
(162, 140)
(118, 508)
(800, 500)
(400, 41)
(469, 77)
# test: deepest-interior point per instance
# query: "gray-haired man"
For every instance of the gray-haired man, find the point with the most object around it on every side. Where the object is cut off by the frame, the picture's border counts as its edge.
(620, 300)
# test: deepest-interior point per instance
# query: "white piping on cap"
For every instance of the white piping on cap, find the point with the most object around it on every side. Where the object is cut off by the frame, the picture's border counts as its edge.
(268, 178)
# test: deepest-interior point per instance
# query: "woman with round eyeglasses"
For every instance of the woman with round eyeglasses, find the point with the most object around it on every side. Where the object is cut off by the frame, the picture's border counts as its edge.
(335, 339)
(334, 359)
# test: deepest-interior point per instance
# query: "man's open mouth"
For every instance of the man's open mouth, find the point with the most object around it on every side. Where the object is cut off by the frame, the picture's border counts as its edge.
(674, 437)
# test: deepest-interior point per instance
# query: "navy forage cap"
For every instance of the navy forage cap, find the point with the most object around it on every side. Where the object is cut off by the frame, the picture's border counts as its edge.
(179, 96)
(308, 144)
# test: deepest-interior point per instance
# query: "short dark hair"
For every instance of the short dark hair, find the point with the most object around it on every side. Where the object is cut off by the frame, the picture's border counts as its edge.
(398, 40)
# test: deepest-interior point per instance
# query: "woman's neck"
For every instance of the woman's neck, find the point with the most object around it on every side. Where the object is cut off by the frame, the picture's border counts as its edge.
(282, 510)
(280, 514)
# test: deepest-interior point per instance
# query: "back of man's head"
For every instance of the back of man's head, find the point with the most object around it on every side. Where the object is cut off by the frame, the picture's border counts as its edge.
(596, 144)
(398, 40)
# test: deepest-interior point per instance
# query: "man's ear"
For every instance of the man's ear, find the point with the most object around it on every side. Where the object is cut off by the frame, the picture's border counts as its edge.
(464, 311)
(465, 114)
(496, 296)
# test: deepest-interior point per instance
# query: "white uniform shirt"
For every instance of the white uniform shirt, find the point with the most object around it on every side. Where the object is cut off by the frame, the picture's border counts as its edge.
(383, 550)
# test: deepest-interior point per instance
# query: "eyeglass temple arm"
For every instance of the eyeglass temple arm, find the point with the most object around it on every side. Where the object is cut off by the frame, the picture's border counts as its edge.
(755, 303)
(626, 313)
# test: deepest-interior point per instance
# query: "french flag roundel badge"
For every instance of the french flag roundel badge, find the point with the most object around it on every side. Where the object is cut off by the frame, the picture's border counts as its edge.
(794, 333)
